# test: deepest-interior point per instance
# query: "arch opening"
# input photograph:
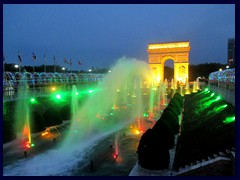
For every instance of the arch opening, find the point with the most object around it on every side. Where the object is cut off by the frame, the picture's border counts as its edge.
(168, 69)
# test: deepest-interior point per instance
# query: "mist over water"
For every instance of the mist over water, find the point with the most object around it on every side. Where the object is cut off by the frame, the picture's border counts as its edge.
(124, 80)
(91, 122)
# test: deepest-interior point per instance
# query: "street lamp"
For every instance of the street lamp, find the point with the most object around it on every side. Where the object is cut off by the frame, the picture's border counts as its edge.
(227, 67)
(90, 70)
(17, 66)
(63, 68)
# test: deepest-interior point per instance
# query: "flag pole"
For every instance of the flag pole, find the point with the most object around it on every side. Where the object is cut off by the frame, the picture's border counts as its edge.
(70, 66)
(45, 63)
(33, 67)
(34, 57)
(54, 64)
(19, 62)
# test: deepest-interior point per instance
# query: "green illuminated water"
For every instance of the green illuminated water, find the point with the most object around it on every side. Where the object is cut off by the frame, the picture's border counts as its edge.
(229, 120)
(102, 111)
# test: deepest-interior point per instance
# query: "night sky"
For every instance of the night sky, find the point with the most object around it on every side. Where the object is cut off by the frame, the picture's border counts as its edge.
(98, 35)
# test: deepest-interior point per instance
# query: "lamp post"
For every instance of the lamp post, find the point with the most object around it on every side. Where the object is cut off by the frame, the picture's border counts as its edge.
(16, 66)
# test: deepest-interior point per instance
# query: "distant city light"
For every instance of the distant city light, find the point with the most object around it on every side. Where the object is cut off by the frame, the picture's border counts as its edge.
(16, 66)
(227, 67)
(90, 70)
(220, 69)
(63, 68)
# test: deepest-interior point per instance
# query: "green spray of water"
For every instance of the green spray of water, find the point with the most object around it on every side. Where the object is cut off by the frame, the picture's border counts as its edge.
(229, 120)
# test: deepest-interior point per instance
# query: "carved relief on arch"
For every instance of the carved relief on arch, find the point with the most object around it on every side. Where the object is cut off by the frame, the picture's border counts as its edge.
(182, 70)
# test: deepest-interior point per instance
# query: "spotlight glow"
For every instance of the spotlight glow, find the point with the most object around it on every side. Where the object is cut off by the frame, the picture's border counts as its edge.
(58, 96)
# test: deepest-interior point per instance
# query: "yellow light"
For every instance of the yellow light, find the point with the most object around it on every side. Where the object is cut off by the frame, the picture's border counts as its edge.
(44, 133)
(158, 79)
(137, 131)
(53, 88)
(168, 45)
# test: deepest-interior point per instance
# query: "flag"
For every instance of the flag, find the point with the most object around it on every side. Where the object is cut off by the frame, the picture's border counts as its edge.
(65, 61)
(19, 58)
(70, 62)
(79, 62)
(34, 56)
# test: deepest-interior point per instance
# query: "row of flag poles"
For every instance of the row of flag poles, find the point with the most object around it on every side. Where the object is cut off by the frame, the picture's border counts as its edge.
(34, 57)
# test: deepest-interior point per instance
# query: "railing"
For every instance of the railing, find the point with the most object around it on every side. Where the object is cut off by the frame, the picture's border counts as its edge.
(40, 83)
(10, 91)
(227, 93)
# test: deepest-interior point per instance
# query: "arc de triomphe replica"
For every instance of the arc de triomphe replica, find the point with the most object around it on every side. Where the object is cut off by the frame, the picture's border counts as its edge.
(176, 51)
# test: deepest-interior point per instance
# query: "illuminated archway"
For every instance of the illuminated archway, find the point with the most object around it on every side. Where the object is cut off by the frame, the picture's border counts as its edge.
(176, 51)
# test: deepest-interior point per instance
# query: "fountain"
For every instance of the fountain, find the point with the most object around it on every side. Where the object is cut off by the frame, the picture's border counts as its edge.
(151, 102)
(172, 84)
(163, 94)
(86, 129)
(181, 90)
(116, 151)
(198, 84)
(74, 105)
(107, 100)
(166, 83)
(194, 87)
(187, 90)
(22, 115)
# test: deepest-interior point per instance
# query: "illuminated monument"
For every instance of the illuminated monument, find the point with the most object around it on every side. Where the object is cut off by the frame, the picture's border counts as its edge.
(176, 51)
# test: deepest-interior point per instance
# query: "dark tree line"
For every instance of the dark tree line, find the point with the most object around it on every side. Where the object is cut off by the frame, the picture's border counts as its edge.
(195, 71)
(203, 70)
(50, 68)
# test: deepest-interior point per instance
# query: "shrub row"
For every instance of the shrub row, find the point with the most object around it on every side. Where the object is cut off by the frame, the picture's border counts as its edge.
(154, 145)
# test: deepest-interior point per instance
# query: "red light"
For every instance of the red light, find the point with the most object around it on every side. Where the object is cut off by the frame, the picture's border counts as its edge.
(27, 144)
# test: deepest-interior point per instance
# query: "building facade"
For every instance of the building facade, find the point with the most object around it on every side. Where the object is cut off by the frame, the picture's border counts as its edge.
(231, 53)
